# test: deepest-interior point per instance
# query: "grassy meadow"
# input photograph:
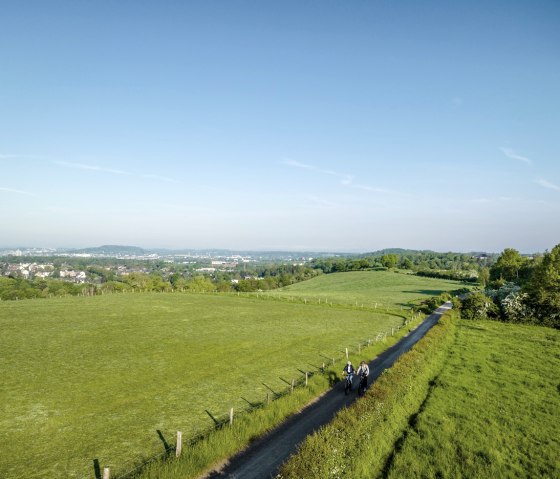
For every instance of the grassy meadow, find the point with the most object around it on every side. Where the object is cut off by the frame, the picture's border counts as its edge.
(114, 377)
(368, 288)
(493, 411)
(97, 377)
(472, 399)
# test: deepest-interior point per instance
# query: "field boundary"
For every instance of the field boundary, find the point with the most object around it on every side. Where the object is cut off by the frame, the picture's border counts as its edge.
(328, 372)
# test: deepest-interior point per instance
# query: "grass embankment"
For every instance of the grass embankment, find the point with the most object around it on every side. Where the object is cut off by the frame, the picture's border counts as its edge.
(114, 377)
(361, 439)
(492, 411)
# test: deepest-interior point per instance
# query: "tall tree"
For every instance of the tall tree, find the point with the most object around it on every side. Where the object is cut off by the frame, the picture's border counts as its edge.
(507, 266)
(543, 289)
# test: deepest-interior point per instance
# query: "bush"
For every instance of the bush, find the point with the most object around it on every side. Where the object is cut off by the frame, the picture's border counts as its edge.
(478, 306)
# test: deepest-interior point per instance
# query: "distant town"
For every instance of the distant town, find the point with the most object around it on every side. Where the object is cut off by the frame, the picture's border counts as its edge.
(79, 265)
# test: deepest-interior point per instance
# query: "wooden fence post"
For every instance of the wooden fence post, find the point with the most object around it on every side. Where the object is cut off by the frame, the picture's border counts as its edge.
(267, 398)
(106, 472)
(179, 446)
(231, 416)
(292, 386)
(333, 361)
(323, 368)
(306, 378)
(346, 353)
(392, 331)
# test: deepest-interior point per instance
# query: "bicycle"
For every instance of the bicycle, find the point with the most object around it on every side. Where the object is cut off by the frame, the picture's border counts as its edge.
(348, 384)
(363, 384)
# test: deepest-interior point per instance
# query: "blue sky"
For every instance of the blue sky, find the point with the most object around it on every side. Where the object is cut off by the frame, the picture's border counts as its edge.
(330, 126)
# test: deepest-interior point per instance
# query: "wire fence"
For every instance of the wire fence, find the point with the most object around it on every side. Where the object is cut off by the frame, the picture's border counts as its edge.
(227, 418)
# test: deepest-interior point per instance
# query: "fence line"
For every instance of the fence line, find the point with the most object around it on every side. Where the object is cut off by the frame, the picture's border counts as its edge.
(227, 419)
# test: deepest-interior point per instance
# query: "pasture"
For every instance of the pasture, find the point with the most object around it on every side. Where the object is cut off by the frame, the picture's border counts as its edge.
(368, 288)
(484, 403)
(494, 409)
(113, 377)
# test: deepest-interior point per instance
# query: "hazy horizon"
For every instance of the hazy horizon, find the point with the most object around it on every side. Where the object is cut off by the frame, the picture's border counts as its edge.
(291, 126)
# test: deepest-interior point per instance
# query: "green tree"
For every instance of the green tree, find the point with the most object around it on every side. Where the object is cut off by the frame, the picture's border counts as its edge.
(484, 276)
(507, 266)
(389, 260)
(201, 284)
(406, 263)
(543, 289)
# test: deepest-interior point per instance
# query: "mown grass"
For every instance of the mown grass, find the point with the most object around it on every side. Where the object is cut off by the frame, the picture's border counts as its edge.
(384, 289)
(494, 410)
(205, 454)
(489, 408)
(98, 377)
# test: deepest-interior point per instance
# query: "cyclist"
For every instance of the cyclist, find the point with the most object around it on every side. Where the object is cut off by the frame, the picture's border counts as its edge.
(363, 373)
(349, 372)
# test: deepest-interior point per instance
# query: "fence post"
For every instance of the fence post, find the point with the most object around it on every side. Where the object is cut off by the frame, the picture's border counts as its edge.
(323, 368)
(306, 378)
(106, 472)
(333, 361)
(292, 386)
(392, 331)
(179, 446)
(346, 353)
(231, 416)
(267, 398)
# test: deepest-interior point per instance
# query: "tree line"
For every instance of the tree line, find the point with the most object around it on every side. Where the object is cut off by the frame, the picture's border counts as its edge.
(260, 278)
(454, 266)
(519, 289)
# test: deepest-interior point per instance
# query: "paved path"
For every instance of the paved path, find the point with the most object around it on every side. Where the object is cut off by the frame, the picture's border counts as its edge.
(263, 458)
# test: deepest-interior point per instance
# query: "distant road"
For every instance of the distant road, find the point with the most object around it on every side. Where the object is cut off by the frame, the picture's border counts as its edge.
(263, 458)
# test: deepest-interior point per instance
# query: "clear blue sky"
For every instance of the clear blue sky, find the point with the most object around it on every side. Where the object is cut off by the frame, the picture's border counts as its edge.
(309, 125)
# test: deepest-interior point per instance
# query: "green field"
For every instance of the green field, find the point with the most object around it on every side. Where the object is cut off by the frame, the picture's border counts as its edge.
(87, 378)
(494, 410)
(368, 288)
(472, 399)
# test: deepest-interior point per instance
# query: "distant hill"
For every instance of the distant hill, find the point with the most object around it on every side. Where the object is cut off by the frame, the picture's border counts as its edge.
(113, 250)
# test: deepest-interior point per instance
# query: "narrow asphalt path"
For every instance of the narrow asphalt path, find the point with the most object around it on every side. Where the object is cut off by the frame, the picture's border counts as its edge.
(263, 458)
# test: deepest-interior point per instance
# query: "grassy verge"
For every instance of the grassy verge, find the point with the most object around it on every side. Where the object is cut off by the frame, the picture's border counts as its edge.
(472, 399)
(360, 441)
(494, 411)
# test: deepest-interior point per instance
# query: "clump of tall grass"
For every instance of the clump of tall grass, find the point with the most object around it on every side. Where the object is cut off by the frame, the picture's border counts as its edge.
(361, 439)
